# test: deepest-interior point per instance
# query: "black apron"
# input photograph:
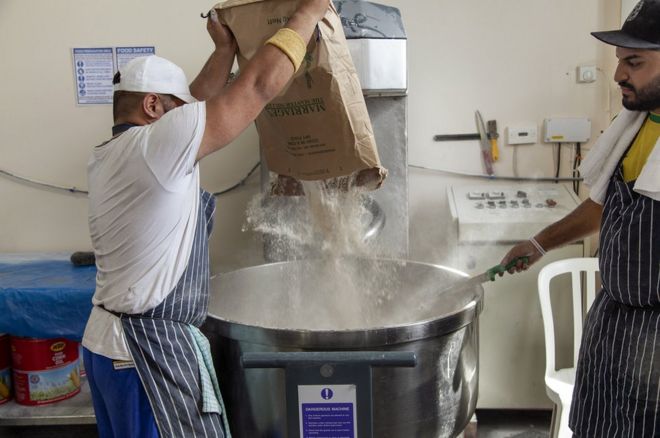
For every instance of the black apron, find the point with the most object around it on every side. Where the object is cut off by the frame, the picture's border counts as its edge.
(163, 348)
(617, 384)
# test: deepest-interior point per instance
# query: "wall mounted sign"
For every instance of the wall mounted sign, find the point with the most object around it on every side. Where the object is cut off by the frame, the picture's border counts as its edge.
(94, 68)
(125, 54)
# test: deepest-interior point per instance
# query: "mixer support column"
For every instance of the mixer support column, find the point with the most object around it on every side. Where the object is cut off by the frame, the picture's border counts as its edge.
(331, 390)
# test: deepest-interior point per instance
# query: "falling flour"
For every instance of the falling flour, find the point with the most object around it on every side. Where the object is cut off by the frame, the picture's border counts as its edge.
(327, 224)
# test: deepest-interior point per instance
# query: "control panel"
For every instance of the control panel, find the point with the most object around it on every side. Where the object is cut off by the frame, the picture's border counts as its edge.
(500, 213)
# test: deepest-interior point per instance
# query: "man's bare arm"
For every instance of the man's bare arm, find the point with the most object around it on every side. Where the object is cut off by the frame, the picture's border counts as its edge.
(213, 77)
(580, 223)
(230, 112)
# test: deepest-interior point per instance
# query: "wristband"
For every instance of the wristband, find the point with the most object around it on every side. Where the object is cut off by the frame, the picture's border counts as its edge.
(291, 43)
(538, 246)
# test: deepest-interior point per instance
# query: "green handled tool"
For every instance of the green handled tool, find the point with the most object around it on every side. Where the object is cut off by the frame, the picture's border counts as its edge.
(489, 275)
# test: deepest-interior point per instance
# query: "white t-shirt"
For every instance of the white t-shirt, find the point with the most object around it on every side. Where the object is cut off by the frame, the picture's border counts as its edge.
(143, 206)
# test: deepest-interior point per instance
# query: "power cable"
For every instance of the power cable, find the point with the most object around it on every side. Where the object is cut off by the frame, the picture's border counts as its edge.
(558, 160)
(75, 190)
(240, 183)
(577, 160)
(502, 178)
(41, 184)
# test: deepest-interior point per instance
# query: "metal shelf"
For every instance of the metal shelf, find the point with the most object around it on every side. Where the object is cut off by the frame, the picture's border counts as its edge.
(76, 410)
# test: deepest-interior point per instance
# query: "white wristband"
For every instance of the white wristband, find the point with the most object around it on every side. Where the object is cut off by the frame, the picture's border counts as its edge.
(537, 246)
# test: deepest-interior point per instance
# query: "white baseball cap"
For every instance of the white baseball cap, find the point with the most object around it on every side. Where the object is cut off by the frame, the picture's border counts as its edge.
(153, 74)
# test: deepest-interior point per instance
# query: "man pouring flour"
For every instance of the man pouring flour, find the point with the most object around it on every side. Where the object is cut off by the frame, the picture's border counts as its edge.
(617, 386)
(148, 365)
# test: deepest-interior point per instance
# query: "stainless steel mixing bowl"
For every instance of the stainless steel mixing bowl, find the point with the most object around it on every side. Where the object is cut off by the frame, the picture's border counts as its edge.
(349, 304)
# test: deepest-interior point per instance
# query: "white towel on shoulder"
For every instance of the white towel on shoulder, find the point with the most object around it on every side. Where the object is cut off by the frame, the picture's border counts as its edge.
(599, 166)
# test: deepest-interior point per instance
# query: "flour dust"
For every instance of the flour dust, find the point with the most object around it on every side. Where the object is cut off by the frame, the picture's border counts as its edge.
(327, 225)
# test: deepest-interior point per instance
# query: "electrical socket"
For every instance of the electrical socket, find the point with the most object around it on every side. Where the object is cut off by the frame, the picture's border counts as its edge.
(522, 135)
(586, 74)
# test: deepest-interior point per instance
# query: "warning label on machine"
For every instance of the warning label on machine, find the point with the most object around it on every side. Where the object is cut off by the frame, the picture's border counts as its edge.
(327, 411)
(328, 420)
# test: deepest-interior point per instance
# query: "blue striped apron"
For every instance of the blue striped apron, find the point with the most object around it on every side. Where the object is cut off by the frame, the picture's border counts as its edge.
(617, 385)
(163, 348)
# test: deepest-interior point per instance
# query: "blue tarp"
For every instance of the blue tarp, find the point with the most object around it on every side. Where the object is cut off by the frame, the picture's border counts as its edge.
(44, 296)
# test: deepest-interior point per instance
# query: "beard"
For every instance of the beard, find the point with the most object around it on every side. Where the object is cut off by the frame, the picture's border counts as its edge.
(168, 104)
(644, 99)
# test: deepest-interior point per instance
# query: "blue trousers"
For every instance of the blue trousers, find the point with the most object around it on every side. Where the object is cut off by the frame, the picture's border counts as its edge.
(120, 403)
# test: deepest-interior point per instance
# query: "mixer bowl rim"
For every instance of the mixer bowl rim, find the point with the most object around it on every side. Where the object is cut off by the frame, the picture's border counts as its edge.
(357, 338)
(316, 259)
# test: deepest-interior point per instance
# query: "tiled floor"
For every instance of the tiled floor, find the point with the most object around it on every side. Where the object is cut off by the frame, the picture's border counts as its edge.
(490, 424)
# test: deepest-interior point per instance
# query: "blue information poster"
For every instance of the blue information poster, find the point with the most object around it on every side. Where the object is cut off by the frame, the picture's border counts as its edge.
(93, 69)
(327, 411)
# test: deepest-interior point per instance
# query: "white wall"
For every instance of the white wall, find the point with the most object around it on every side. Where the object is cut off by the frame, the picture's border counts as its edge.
(46, 136)
(514, 60)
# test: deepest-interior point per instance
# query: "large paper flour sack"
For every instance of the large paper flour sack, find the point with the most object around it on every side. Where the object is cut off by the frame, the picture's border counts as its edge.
(318, 127)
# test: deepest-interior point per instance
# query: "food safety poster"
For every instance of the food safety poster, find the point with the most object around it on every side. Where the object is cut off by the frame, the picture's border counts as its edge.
(125, 54)
(94, 68)
(327, 411)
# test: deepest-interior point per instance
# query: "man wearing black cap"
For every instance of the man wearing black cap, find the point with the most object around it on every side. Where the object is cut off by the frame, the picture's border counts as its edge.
(617, 383)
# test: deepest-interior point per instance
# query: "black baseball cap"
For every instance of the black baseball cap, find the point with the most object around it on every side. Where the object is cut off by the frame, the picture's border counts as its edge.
(640, 31)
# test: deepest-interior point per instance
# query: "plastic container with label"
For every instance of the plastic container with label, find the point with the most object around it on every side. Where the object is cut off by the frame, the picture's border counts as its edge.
(5, 369)
(44, 370)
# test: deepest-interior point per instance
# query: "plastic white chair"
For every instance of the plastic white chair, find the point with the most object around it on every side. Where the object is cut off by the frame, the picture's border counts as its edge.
(559, 383)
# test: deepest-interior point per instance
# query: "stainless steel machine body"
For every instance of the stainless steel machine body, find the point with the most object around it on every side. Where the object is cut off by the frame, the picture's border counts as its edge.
(306, 305)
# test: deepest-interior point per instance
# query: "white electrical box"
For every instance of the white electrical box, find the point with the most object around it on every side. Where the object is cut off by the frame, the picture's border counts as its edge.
(522, 135)
(567, 130)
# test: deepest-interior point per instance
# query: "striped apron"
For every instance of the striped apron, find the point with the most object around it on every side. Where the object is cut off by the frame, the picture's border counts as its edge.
(617, 384)
(163, 349)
